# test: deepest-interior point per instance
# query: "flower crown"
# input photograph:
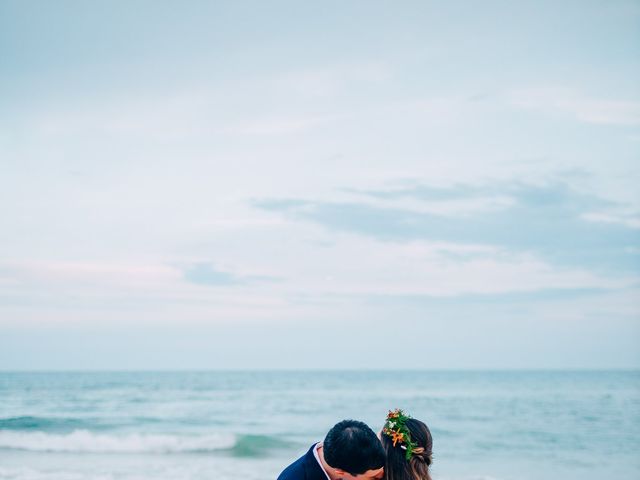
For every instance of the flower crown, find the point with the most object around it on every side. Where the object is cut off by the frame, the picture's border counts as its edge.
(396, 428)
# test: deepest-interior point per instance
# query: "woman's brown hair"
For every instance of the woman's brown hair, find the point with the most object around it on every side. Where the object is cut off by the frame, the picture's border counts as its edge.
(397, 467)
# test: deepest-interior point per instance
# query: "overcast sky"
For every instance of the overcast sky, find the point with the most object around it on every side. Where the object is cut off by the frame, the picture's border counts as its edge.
(208, 184)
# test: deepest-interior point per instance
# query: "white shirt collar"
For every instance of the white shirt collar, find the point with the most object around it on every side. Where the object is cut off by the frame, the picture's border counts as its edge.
(317, 455)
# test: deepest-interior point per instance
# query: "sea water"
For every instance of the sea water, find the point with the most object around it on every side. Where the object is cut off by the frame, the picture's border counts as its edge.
(250, 425)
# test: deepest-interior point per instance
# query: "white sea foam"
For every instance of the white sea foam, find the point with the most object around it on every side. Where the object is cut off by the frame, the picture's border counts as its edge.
(85, 441)
(139, 468)
(25, 473)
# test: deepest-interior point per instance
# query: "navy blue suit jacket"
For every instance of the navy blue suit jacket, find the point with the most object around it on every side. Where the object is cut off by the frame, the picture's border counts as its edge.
(305, 468)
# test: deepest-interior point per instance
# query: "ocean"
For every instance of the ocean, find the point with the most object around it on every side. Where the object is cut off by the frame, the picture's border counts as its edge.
(494, 425)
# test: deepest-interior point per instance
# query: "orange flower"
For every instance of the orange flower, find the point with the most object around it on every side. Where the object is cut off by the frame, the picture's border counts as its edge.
(397, 437)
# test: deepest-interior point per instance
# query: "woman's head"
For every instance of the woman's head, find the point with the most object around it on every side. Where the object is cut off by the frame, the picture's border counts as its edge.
(407, 458)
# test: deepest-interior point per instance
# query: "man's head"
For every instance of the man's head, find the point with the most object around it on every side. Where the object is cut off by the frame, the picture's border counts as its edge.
(354, 451)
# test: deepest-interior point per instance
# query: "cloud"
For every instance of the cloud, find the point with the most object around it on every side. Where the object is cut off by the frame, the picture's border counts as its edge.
(584, 108)
(504, 298)
(278, 125)
(332, 81)
(205, 273)
(127, 285)
(551, 220)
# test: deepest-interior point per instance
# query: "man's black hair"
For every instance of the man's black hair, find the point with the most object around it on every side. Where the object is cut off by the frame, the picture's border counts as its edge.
(353, 447)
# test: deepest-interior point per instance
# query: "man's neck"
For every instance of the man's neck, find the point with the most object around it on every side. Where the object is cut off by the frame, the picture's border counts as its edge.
(330, 471)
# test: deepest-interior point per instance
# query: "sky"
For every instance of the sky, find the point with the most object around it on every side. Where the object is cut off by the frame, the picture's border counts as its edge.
(331, 185)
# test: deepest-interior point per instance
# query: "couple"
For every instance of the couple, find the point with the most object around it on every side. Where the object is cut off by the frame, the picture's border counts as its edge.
(352, 451)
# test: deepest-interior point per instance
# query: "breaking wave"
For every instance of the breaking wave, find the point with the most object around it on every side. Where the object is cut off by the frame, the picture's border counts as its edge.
(84, 441)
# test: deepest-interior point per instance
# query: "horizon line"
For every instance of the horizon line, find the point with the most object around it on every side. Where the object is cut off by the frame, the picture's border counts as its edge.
(331, 370)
